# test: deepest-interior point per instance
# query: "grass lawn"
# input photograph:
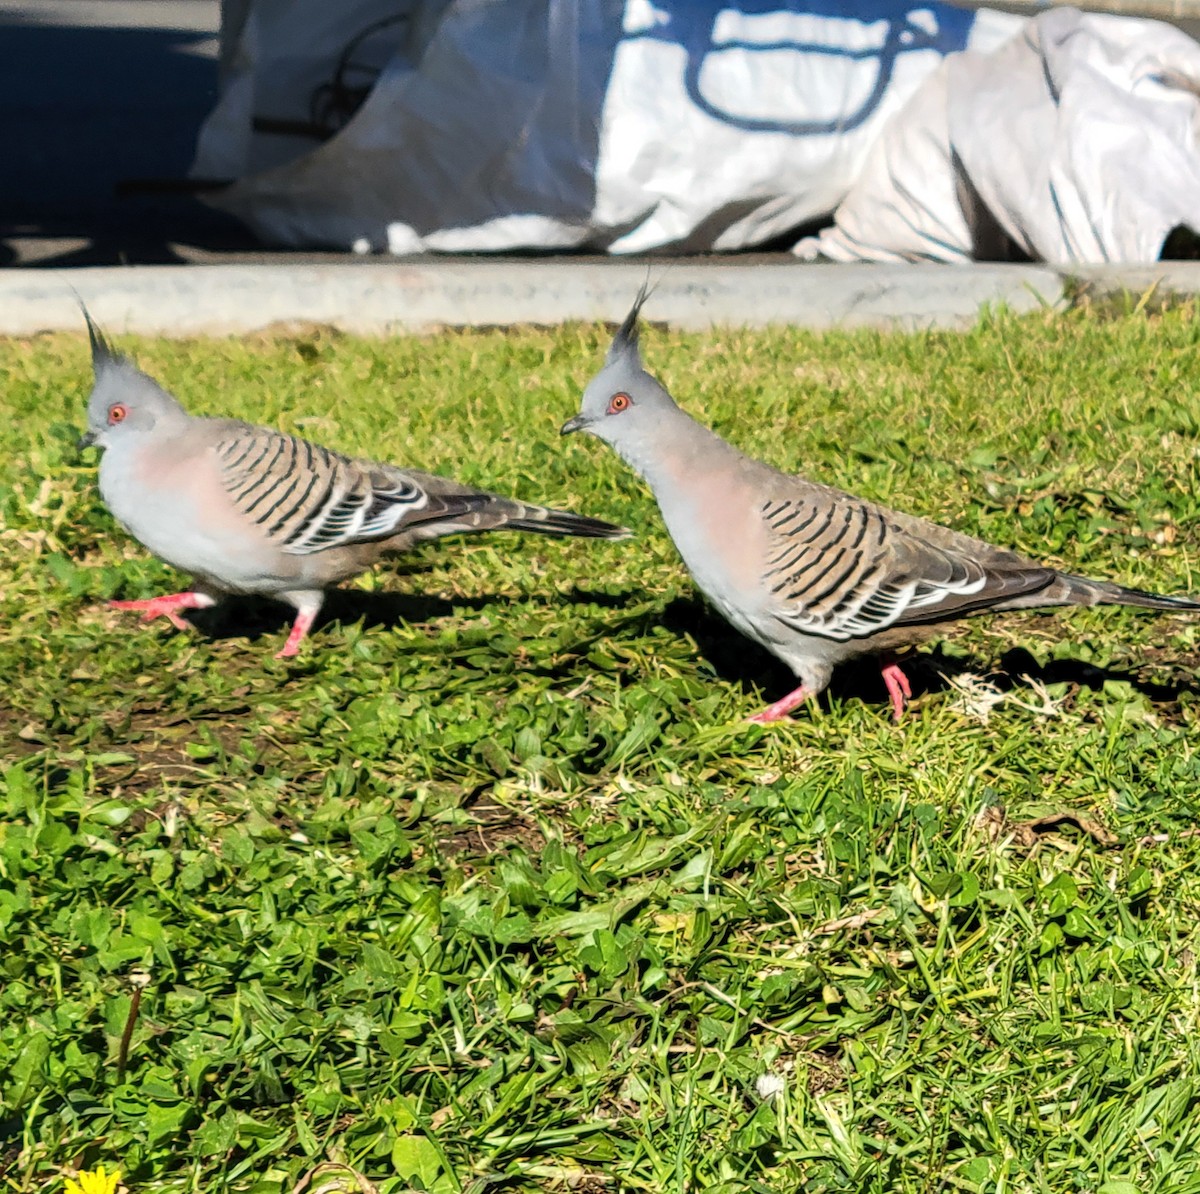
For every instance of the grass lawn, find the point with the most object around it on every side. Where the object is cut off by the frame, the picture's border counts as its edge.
(494, 888)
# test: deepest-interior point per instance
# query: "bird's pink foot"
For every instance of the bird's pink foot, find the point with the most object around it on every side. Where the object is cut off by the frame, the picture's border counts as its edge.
(300, 628)
(898, 687)
(167, 606)
(782, 707)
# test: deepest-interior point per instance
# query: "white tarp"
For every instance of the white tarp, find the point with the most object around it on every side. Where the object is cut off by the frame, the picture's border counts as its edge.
(694, 125)
(1076, 140)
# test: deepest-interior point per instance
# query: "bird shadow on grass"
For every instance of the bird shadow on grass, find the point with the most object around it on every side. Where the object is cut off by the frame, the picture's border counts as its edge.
(1017, 666)
(253, 618)
(737, 660)
(732, 657)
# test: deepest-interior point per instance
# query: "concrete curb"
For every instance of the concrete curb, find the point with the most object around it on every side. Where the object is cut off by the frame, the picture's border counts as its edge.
(376, 298)
(1163, 277)
(380, 297)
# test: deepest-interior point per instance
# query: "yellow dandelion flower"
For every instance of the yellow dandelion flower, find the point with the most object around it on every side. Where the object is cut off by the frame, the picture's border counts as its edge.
(94, 1181)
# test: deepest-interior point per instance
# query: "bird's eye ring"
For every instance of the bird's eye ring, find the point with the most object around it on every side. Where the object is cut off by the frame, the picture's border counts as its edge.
(619, 402)
(116, 414)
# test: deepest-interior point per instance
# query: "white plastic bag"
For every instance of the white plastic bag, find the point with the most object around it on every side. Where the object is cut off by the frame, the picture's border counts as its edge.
(575, 123)
(1075, 142)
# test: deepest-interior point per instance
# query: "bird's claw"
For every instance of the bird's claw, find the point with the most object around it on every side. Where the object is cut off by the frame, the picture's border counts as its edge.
(782, 707)
(301, 626)
(166, 606)
(899, 689)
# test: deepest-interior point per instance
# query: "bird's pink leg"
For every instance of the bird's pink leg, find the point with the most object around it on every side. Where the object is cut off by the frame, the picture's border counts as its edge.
(782, 707)
(167, 606)
(300, 628)
(898, 686)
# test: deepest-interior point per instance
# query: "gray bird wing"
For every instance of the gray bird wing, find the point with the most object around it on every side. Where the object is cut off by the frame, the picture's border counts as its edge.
(305, 498)
(842, 568)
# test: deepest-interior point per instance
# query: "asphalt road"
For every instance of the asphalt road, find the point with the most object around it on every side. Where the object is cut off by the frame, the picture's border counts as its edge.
(92, 93)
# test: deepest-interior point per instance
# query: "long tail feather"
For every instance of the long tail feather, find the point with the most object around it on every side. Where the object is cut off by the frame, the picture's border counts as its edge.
(1102, 592)
(474, 512)
(543, 521)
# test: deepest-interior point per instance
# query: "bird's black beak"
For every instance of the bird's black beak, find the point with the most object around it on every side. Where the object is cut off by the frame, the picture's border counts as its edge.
(86, 440)
(578, 423)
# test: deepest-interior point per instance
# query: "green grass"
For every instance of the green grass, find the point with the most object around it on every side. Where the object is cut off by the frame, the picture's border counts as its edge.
(495, 888)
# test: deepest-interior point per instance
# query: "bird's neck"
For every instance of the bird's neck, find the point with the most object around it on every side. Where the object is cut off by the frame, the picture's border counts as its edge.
(681, 452)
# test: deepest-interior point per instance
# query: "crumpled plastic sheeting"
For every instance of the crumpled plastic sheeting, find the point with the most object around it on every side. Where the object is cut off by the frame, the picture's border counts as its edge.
(1075, 142)
(276, 55)
(614, 125)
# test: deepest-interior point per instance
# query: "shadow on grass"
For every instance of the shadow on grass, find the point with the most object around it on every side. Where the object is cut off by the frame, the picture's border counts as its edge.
(734, 658)
(254, 618)
(737, 660)
(1017, 663)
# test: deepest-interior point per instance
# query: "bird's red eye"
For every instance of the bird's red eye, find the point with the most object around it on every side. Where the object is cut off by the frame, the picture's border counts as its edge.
(619, 402)
(116, 414)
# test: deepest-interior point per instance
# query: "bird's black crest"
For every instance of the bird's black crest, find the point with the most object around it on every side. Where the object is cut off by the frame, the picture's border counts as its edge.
(626, 339)
(102, 351)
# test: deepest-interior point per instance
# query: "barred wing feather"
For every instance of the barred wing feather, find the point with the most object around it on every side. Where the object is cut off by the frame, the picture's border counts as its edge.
(839, 568)
(309, 499)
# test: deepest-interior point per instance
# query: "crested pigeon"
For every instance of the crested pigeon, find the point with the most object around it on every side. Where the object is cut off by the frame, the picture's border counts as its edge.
(814, 575)
(251, 510)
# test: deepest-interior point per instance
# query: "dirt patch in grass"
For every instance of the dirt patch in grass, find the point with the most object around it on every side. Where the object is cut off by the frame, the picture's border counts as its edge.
(493, 827)
(16, 740)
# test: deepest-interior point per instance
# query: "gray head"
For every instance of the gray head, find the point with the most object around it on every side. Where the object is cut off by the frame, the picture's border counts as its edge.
(124, 402)
(623, 405)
